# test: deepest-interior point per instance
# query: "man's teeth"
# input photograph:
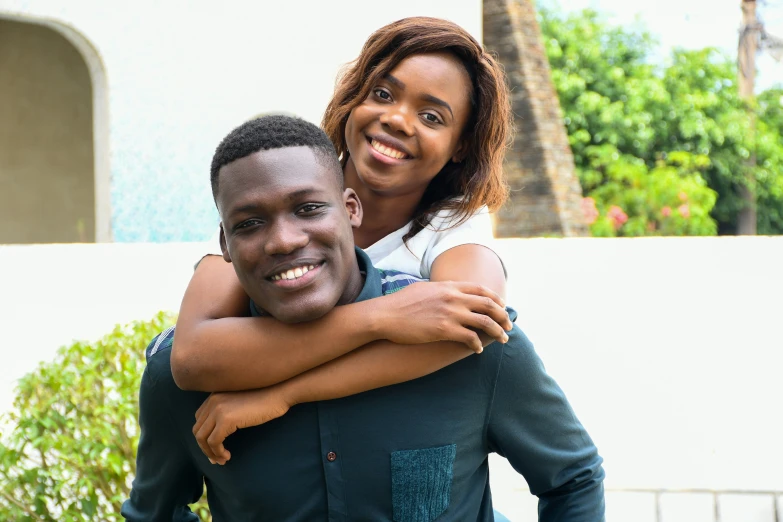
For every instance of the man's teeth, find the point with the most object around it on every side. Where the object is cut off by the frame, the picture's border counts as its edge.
(293, 273)
(388, 151)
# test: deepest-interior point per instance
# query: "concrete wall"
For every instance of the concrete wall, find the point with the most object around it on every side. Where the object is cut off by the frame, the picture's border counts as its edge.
(46, 143)
(669, 350)
(179, 75)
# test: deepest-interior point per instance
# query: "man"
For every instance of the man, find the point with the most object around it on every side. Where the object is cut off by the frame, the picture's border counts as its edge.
(411, 452)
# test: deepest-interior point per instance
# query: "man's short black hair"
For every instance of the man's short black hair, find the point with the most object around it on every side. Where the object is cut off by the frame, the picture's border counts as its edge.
(272, 132)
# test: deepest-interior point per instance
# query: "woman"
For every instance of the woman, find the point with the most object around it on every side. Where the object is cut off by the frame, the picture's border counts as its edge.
(421, 121)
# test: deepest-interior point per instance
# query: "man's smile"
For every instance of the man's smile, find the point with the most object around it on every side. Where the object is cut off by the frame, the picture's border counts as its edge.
(297, 276)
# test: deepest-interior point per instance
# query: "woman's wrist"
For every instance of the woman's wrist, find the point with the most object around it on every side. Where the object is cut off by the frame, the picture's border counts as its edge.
(377, 322)
(290, 392)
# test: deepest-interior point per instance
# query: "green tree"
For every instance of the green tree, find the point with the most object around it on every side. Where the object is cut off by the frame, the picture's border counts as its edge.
(625, 115)
(70, 451)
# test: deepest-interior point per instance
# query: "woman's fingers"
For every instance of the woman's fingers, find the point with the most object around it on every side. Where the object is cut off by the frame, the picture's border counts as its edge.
(487, 325)
(471, 339)
(204, 430)
(488, 307)
(215, 442)
(481, 290)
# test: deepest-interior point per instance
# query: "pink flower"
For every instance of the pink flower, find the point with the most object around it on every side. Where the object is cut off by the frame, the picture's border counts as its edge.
(589, 210)
(617, 216)
(666, 211)
(684, 210)
(683, 196)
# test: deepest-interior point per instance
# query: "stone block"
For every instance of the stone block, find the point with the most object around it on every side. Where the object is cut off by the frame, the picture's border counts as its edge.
(746, 508)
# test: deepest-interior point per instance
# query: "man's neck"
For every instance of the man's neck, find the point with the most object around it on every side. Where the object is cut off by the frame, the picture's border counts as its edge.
(355, 283)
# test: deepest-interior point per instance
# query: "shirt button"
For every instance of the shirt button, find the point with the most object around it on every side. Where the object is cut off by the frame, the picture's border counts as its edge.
(331, 456)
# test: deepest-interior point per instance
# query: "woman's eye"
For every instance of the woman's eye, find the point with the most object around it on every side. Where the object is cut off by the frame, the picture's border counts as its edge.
(431, 117)
(380, 93)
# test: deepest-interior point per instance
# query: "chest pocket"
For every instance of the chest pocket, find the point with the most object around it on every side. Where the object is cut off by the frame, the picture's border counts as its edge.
(421, 483)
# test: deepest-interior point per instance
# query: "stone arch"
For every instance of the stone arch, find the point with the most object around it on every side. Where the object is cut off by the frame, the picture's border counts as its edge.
(54, 148)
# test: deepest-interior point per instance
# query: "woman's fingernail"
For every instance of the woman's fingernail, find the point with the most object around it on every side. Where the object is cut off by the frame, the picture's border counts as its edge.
(211, 461)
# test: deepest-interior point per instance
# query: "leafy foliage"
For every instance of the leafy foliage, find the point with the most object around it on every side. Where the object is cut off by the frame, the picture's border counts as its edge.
(71, 455)
(630, 123)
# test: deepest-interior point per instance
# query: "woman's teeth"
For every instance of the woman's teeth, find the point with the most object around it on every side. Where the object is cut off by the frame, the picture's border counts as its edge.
(387, 151)
(294, 273)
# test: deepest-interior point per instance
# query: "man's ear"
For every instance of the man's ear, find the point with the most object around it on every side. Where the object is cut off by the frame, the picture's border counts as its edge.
(461, 151)
(223, 245)
(354, 207)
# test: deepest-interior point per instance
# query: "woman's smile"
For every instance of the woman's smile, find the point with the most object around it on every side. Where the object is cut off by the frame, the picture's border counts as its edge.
(387, 154)
(412, 121)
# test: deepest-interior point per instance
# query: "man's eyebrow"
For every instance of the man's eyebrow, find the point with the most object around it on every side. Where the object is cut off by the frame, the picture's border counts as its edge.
(426, 97)
(254, 207)
(301, 193)
(250, 207)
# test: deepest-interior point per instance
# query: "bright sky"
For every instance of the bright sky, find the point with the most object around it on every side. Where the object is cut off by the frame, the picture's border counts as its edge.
(693, 24)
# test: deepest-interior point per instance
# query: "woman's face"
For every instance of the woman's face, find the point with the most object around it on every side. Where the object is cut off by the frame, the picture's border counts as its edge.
(410, 125)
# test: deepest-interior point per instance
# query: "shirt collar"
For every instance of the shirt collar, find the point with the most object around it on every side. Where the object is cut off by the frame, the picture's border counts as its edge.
(372, 278)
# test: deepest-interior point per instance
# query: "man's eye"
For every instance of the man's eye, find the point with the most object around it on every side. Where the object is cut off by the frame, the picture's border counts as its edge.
(309, 208)
(248, 223)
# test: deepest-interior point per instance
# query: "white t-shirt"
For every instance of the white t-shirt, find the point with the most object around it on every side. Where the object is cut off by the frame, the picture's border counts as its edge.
(417, 256)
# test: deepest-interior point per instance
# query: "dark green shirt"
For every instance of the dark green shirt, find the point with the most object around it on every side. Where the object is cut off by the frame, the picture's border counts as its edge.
(412, 452)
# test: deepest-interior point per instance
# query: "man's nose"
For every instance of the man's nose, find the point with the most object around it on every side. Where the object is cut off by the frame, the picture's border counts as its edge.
(285, 238)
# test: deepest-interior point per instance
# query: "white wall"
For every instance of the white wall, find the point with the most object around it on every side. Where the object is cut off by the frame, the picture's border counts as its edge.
(669, 349)
(181, 74)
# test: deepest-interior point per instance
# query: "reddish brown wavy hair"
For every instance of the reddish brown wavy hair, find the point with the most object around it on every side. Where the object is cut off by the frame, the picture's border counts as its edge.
(477, 180)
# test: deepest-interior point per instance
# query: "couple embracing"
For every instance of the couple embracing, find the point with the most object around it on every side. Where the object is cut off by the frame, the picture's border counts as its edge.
(348, 355)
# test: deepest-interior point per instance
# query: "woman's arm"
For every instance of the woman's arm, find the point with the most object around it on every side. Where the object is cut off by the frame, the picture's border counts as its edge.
(376, 365)
(379, 364)
(216, 350)
(471, 263)
(383, 363)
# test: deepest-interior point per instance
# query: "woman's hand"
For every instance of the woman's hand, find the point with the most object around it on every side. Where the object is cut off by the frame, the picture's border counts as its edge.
(226, 412)
(445, 311)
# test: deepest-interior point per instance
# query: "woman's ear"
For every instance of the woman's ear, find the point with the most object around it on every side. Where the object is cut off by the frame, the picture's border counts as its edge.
(354, 207)
(224, 245)
(461, 151)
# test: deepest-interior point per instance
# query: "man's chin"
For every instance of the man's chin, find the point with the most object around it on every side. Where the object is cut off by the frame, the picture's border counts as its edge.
(301, 314)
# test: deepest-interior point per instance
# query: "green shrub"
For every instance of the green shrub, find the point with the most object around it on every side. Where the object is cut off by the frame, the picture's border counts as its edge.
(69, 453)
(683, 122)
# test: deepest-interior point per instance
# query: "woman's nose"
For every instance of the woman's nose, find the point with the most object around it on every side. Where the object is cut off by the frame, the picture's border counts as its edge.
(398, 119)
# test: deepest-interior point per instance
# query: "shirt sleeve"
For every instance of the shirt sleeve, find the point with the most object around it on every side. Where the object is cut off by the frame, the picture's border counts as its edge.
(166, 479)
(476, 230)
(532, 424)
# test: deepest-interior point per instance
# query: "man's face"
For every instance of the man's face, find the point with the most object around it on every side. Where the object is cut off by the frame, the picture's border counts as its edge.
(288, 229)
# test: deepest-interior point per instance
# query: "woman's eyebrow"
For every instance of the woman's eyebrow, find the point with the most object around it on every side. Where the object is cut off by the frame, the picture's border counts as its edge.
(426, 97)
(395, 81)
(437, 101)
